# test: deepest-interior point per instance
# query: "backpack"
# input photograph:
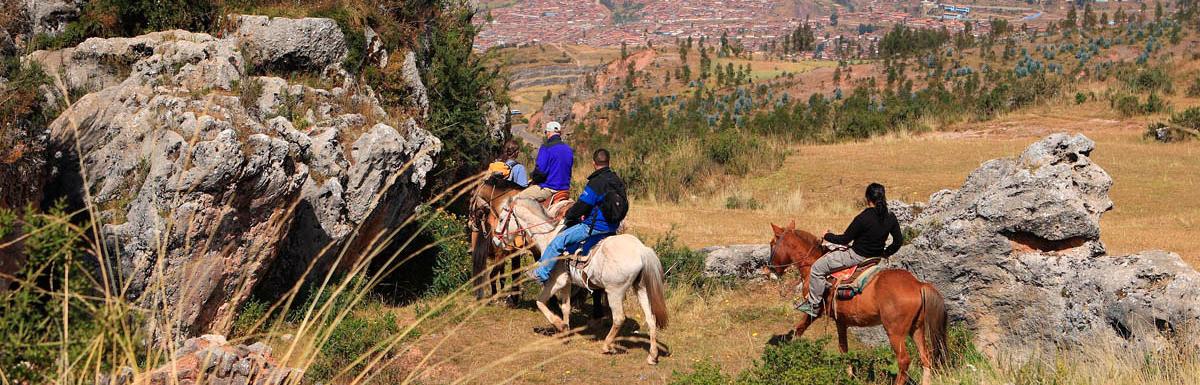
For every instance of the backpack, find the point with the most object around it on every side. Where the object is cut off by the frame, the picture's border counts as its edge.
(503, 169)
(616, 202)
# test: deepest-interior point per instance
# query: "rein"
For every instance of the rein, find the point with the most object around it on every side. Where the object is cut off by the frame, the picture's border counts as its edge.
(771, 265)
(500, 235)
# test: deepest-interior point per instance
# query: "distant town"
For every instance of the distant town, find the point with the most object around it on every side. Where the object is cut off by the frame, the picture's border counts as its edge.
(752, 23)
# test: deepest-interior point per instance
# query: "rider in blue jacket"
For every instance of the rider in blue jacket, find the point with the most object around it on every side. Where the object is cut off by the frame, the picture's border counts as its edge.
(552, 171)
(598, 211)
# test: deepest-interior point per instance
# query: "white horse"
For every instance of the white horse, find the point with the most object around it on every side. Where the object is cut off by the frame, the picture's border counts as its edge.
(615, 265)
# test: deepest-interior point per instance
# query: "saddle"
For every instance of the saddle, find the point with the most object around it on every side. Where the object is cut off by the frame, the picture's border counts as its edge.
(577, 257)
(851, 281)
(558, 196)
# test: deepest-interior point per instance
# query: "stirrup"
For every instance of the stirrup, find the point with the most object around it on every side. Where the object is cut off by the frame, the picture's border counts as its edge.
(579, 258)
(807, 308)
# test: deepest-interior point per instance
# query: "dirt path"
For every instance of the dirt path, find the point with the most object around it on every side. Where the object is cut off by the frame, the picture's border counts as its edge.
(729, 328)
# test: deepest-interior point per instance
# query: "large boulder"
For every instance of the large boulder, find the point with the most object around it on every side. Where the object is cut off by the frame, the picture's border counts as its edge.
(51, 16)
(1017, 254)
(739, 261)
(283, 44)
(206, 178)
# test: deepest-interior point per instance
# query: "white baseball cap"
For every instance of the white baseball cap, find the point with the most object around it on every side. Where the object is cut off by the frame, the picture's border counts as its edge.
(553, 127)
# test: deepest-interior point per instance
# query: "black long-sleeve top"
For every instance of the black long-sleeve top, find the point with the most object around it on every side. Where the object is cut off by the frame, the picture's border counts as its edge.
(867, 234)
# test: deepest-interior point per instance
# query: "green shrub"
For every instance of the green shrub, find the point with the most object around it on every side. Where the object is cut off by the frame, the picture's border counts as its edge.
(799, 362)
(452, 265)
(1189, 118)
(34, 314)
(703, 373)
(735, 202)
(1154, 104)
(1155, 79)
(1193, 89)
(115, 18)
(1127, 105)
(252, 312)
(353, 337)
(684, 266)
(1080, 98)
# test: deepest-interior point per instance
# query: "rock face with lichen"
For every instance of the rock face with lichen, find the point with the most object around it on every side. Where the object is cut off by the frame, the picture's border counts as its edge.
(208, 175)
(210, 359)
(1016, 252)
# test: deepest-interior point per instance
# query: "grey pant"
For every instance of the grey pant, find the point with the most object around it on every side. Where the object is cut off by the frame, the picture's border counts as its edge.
(834, 261)
(537, 193)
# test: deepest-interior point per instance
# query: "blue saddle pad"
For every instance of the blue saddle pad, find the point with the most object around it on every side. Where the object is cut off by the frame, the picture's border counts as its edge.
(586, 246)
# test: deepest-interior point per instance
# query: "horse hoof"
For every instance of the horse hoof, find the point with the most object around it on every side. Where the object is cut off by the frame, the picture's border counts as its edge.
(607, 350)
(651, 361)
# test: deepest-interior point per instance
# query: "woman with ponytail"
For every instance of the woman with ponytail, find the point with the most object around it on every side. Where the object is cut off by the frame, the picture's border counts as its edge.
(865, 237)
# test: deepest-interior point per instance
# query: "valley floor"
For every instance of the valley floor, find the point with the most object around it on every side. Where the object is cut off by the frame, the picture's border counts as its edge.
(819, 186)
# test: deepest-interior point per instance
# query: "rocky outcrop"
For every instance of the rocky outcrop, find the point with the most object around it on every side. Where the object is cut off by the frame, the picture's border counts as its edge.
(51, 16)
(1017, 254)
(209, 359)
(739, 261)
(207, 177)
(279, 43)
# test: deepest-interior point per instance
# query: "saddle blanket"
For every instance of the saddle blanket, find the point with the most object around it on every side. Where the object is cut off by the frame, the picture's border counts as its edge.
(576, 264)
(855, 284)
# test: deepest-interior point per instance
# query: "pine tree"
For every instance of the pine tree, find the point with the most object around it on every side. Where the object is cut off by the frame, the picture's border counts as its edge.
(459, 82)
(1089, 17)
(1070, 22)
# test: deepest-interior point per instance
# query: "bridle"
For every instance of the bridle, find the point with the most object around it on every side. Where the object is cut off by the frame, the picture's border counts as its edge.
(771, 265)
(522, 232)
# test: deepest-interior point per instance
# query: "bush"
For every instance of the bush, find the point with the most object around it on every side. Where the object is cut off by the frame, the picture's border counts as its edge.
(1127, 105)
(116, 18)
(800, 362)
(355, 336)
(34, 315)
(735, 202)
(452, 265)
(703, 373)
(684, 266)
(1154, 104)
(1080, 98)
(252, 311)
(1193, 89)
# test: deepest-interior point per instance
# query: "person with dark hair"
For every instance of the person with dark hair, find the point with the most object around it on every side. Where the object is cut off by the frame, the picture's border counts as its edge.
(517, 173)
(598, 212)
(865, 237)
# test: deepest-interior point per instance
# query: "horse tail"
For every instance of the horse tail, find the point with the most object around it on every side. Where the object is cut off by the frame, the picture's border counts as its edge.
(934, 311)
(652, 280)
(480, 252)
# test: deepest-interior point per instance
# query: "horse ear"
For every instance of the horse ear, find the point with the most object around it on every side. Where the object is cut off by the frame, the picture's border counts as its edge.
(776, 229)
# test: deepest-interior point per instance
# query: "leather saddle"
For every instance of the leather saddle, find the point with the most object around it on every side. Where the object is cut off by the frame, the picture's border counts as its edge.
(850, 273)
(851, 281)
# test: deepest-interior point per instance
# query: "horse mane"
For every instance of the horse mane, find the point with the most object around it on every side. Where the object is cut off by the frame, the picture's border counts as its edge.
(807, 236)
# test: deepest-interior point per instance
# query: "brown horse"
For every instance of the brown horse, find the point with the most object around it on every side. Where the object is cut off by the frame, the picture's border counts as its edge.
(894, 298)
(488, 208)
(486, 201)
